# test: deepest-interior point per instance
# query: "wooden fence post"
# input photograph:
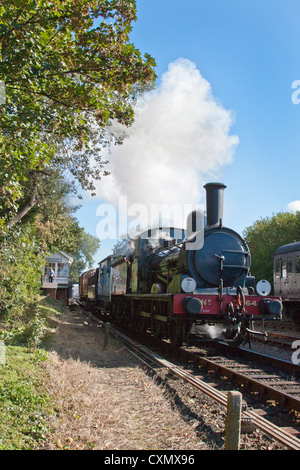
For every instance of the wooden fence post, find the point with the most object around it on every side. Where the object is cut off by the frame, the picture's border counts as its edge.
(233, 421)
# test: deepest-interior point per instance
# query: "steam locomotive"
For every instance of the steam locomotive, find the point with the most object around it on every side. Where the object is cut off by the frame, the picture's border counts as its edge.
(183, 285)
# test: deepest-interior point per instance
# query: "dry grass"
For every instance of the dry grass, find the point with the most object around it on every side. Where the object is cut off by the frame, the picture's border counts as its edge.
(105, 400)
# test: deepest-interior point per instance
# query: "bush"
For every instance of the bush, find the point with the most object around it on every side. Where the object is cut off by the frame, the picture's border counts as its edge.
(35, 327)
(21, 263)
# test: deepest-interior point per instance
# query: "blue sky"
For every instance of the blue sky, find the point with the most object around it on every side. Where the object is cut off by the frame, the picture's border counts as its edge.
(248, 52)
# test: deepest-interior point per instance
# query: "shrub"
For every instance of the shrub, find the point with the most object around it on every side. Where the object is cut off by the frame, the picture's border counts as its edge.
(21, 262)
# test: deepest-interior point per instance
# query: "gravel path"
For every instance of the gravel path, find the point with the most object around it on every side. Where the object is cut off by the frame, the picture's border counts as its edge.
(105, 400)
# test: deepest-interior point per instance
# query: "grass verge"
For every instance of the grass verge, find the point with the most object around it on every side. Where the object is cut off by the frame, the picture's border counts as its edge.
(25, 405)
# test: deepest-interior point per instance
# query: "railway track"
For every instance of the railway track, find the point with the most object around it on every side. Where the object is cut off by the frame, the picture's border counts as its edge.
(279, 325)
(281, 340)
(146, 355)
(269, 378)
(281, 334)
(281, 388)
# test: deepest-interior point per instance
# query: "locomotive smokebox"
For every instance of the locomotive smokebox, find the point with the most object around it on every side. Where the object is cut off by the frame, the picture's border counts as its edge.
(214, 203)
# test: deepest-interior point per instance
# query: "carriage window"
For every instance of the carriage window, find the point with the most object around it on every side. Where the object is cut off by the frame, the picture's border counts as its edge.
(289, 266)
(298, 265)
(278, 267)
(283, 269)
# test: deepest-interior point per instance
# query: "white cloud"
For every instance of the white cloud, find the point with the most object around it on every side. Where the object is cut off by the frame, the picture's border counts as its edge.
(294, 206)
(179, 141)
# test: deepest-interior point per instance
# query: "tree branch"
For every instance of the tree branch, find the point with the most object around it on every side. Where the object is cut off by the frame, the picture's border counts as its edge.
(23, 211)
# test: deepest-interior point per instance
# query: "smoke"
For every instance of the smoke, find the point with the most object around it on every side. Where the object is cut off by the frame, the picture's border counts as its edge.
(179, 141)
(213, 331)
(294, 206)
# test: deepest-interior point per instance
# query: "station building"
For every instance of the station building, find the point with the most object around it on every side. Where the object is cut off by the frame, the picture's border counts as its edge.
(60, 286)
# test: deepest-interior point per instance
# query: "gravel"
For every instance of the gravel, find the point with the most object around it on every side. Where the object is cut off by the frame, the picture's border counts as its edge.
(274, 351)
(106, 400)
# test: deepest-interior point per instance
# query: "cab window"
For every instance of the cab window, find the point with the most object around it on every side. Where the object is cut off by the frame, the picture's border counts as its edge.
(289, 267)
(298, 265)
(283, 269)
(278, 267)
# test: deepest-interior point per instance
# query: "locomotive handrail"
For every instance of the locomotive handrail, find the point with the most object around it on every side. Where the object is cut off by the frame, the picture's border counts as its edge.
(236, 251)
(235, 266)
(189, 239)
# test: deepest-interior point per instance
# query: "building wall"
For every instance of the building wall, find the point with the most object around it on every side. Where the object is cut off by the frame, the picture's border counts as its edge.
(59, 288)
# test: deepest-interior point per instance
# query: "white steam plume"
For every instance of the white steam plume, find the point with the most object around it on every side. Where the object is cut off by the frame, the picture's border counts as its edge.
(294, 206)
(179, 141)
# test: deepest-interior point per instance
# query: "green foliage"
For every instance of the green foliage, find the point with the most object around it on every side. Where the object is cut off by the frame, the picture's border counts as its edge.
(59, 229)
(22, 257)
(83, 255)
(25, 407)
(70, 70)
(21, 261)
(31, 328)
(33, 332)
(265, 236)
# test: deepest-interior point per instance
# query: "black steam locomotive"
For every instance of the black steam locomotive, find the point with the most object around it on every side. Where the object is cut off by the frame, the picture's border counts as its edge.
(183, 285)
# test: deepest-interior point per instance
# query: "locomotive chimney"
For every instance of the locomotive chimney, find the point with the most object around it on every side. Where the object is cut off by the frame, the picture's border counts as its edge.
(214, 203)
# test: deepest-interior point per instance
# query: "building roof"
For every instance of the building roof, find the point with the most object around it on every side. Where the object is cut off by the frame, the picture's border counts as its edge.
(289, 248)
(65, 255)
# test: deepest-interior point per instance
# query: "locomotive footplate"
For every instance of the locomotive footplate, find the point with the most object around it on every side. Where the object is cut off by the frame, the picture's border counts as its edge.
(196, 317)
(226, 317)
(215, 307)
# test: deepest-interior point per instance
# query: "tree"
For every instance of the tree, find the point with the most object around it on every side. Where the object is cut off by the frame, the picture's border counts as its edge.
(49, 226)
(70, 71)
(21, 261)
(265, 236)
(58, 228)
(83, 256)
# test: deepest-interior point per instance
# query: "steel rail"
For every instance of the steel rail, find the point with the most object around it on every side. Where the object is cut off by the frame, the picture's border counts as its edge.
(253, 384)
(268, 428)
(265, 426)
